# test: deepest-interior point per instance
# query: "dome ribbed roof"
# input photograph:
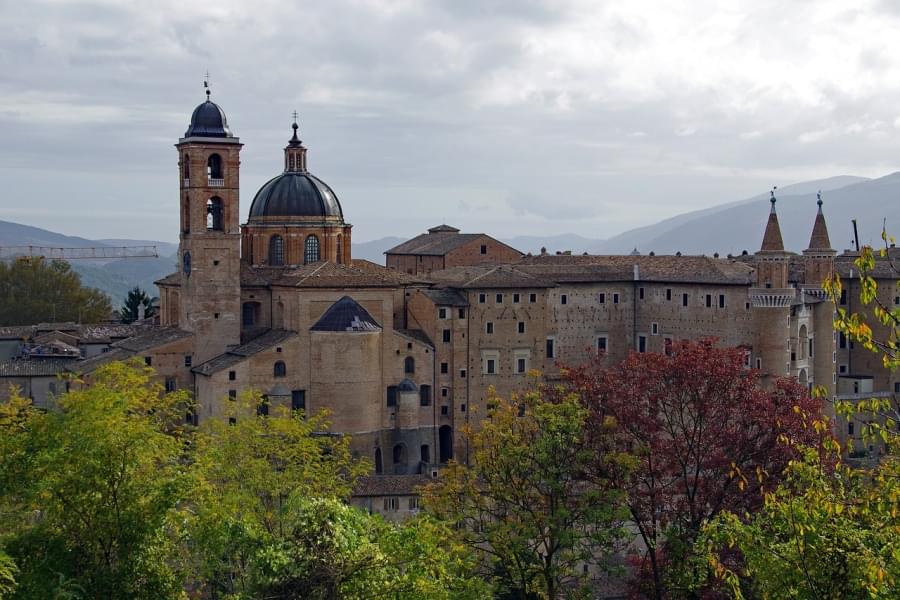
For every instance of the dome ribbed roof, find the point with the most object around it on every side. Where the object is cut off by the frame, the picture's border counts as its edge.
(208, 120)
(296, 194)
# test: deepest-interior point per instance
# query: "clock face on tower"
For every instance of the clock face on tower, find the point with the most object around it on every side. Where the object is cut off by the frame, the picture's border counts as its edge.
(186, 263)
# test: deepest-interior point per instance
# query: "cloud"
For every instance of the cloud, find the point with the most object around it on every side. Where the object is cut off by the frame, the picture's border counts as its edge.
(528, 116)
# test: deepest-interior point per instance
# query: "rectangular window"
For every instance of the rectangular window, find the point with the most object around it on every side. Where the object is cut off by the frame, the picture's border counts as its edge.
(232, 394)
(521, 365)
(850, 428)
(842, 340)
(642, 343)
(759, 363)
(462, 408)
(601, 298)
(391, 504)
(499, 298)
(897, 387)
(232, 375)
(521, 326)
(445, 392)
(483, 249)
(842, 369)
(232, 421)
(424, 395)
(654, 328)
(462, 313)
(148, 360)
(615, 298)
(746, 306)
(446, 336)
(170, 384)
(462, 373)
(550, 349)
(667, 346)
(413, 501)
(721, 300)
(516, 298)
(188, 360)
(532, 298)
(489, 327)
(668, 293)
(684, 299)
(442, 313)
(392, 395)
(490, 366)
(843, 297)
(445, 368)
(298, 400)
(602, 343)
(641, 293)
(563, 299)
(708, 300)
(445, 410)
(482, 298)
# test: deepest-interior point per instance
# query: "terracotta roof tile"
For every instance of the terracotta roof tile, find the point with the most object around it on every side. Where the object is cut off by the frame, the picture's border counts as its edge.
(390, 485)
(662, 268)
(242, 352)
(31, 367)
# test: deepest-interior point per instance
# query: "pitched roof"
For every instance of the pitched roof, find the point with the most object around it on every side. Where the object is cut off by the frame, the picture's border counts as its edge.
(438, 241)
(244, 351)
(30, 367)
(660, 268)
(152, 338)
(417, 335)
(359, 274)
(445, 297)
(390, 485)
(346, 315)
(91, 364)
(489, 277)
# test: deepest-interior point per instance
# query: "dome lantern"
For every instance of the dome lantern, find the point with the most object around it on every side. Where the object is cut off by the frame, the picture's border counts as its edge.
(295, 152)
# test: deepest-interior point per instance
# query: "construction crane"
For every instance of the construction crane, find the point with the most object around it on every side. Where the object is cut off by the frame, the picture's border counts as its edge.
(86, 253)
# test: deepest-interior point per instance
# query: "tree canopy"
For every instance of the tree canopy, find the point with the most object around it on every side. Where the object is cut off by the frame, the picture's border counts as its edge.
(33, 290)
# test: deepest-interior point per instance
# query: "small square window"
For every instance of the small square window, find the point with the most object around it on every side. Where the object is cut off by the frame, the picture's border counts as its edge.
(215, 263)
(521, 326)
(532, 298)
(232, 375)
(232, 394)
(445, 368)
(516, 298)
(462, 373)
(462, 313)
(445, 410)
(278, 349)
(499, 298)
(482, 298)
(232, 421)
(148, 360)
(563, 299)
(215, 315)
(445, 392)
(462, 408)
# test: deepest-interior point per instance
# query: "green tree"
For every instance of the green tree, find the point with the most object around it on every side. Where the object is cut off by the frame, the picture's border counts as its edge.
(96, 486)
(525, 505)
(827, 532)
(270, 519)
(8, 572)
(34, 291)
(131, 309)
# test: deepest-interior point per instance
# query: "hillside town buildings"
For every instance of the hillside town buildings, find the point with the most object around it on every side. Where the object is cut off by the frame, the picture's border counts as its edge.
(404, 355)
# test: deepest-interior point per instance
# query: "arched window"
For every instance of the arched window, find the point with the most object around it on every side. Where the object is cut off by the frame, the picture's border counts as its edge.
(186, 167)
(379, 467)
(409, 365)
(803, 342)
(399, 454)
(339, 259)
(280, 370)
(214, 167)
(276, 250)
(186, 214)
(311, 253)
(215, 214)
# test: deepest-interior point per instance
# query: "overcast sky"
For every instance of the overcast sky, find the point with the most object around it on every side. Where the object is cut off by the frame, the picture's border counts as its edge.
(506, 116)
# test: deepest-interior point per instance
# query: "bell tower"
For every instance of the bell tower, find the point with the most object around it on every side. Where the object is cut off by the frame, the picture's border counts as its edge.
(210, 239)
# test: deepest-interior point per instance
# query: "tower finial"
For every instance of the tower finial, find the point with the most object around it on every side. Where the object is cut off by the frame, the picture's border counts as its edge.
(295, 141)
(819, 201)
(206, 84)
(773, 199)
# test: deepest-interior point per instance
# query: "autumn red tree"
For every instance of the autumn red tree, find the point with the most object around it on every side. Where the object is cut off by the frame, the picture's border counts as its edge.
(686, 435)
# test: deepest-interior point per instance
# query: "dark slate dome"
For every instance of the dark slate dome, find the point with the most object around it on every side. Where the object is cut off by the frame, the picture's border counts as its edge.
(296, 194)
(208, 120)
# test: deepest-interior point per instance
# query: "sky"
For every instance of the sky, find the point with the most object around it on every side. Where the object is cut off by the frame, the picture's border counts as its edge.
(512, 117)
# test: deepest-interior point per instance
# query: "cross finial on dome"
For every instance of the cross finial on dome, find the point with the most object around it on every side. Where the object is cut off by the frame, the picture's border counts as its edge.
(206, 84)
(295, 141)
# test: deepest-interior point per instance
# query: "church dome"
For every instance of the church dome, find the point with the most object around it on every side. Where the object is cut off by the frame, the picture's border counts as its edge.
(296, 194)
(208, 120)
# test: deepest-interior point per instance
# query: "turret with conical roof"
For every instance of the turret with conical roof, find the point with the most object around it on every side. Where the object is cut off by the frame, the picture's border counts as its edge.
(772, 241)
(772, 260)
(818, 258)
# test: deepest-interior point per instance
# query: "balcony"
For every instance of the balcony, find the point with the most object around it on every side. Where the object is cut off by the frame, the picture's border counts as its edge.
(216, 182)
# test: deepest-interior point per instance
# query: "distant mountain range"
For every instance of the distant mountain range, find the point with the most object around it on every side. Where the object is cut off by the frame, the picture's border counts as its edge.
(727, 228)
